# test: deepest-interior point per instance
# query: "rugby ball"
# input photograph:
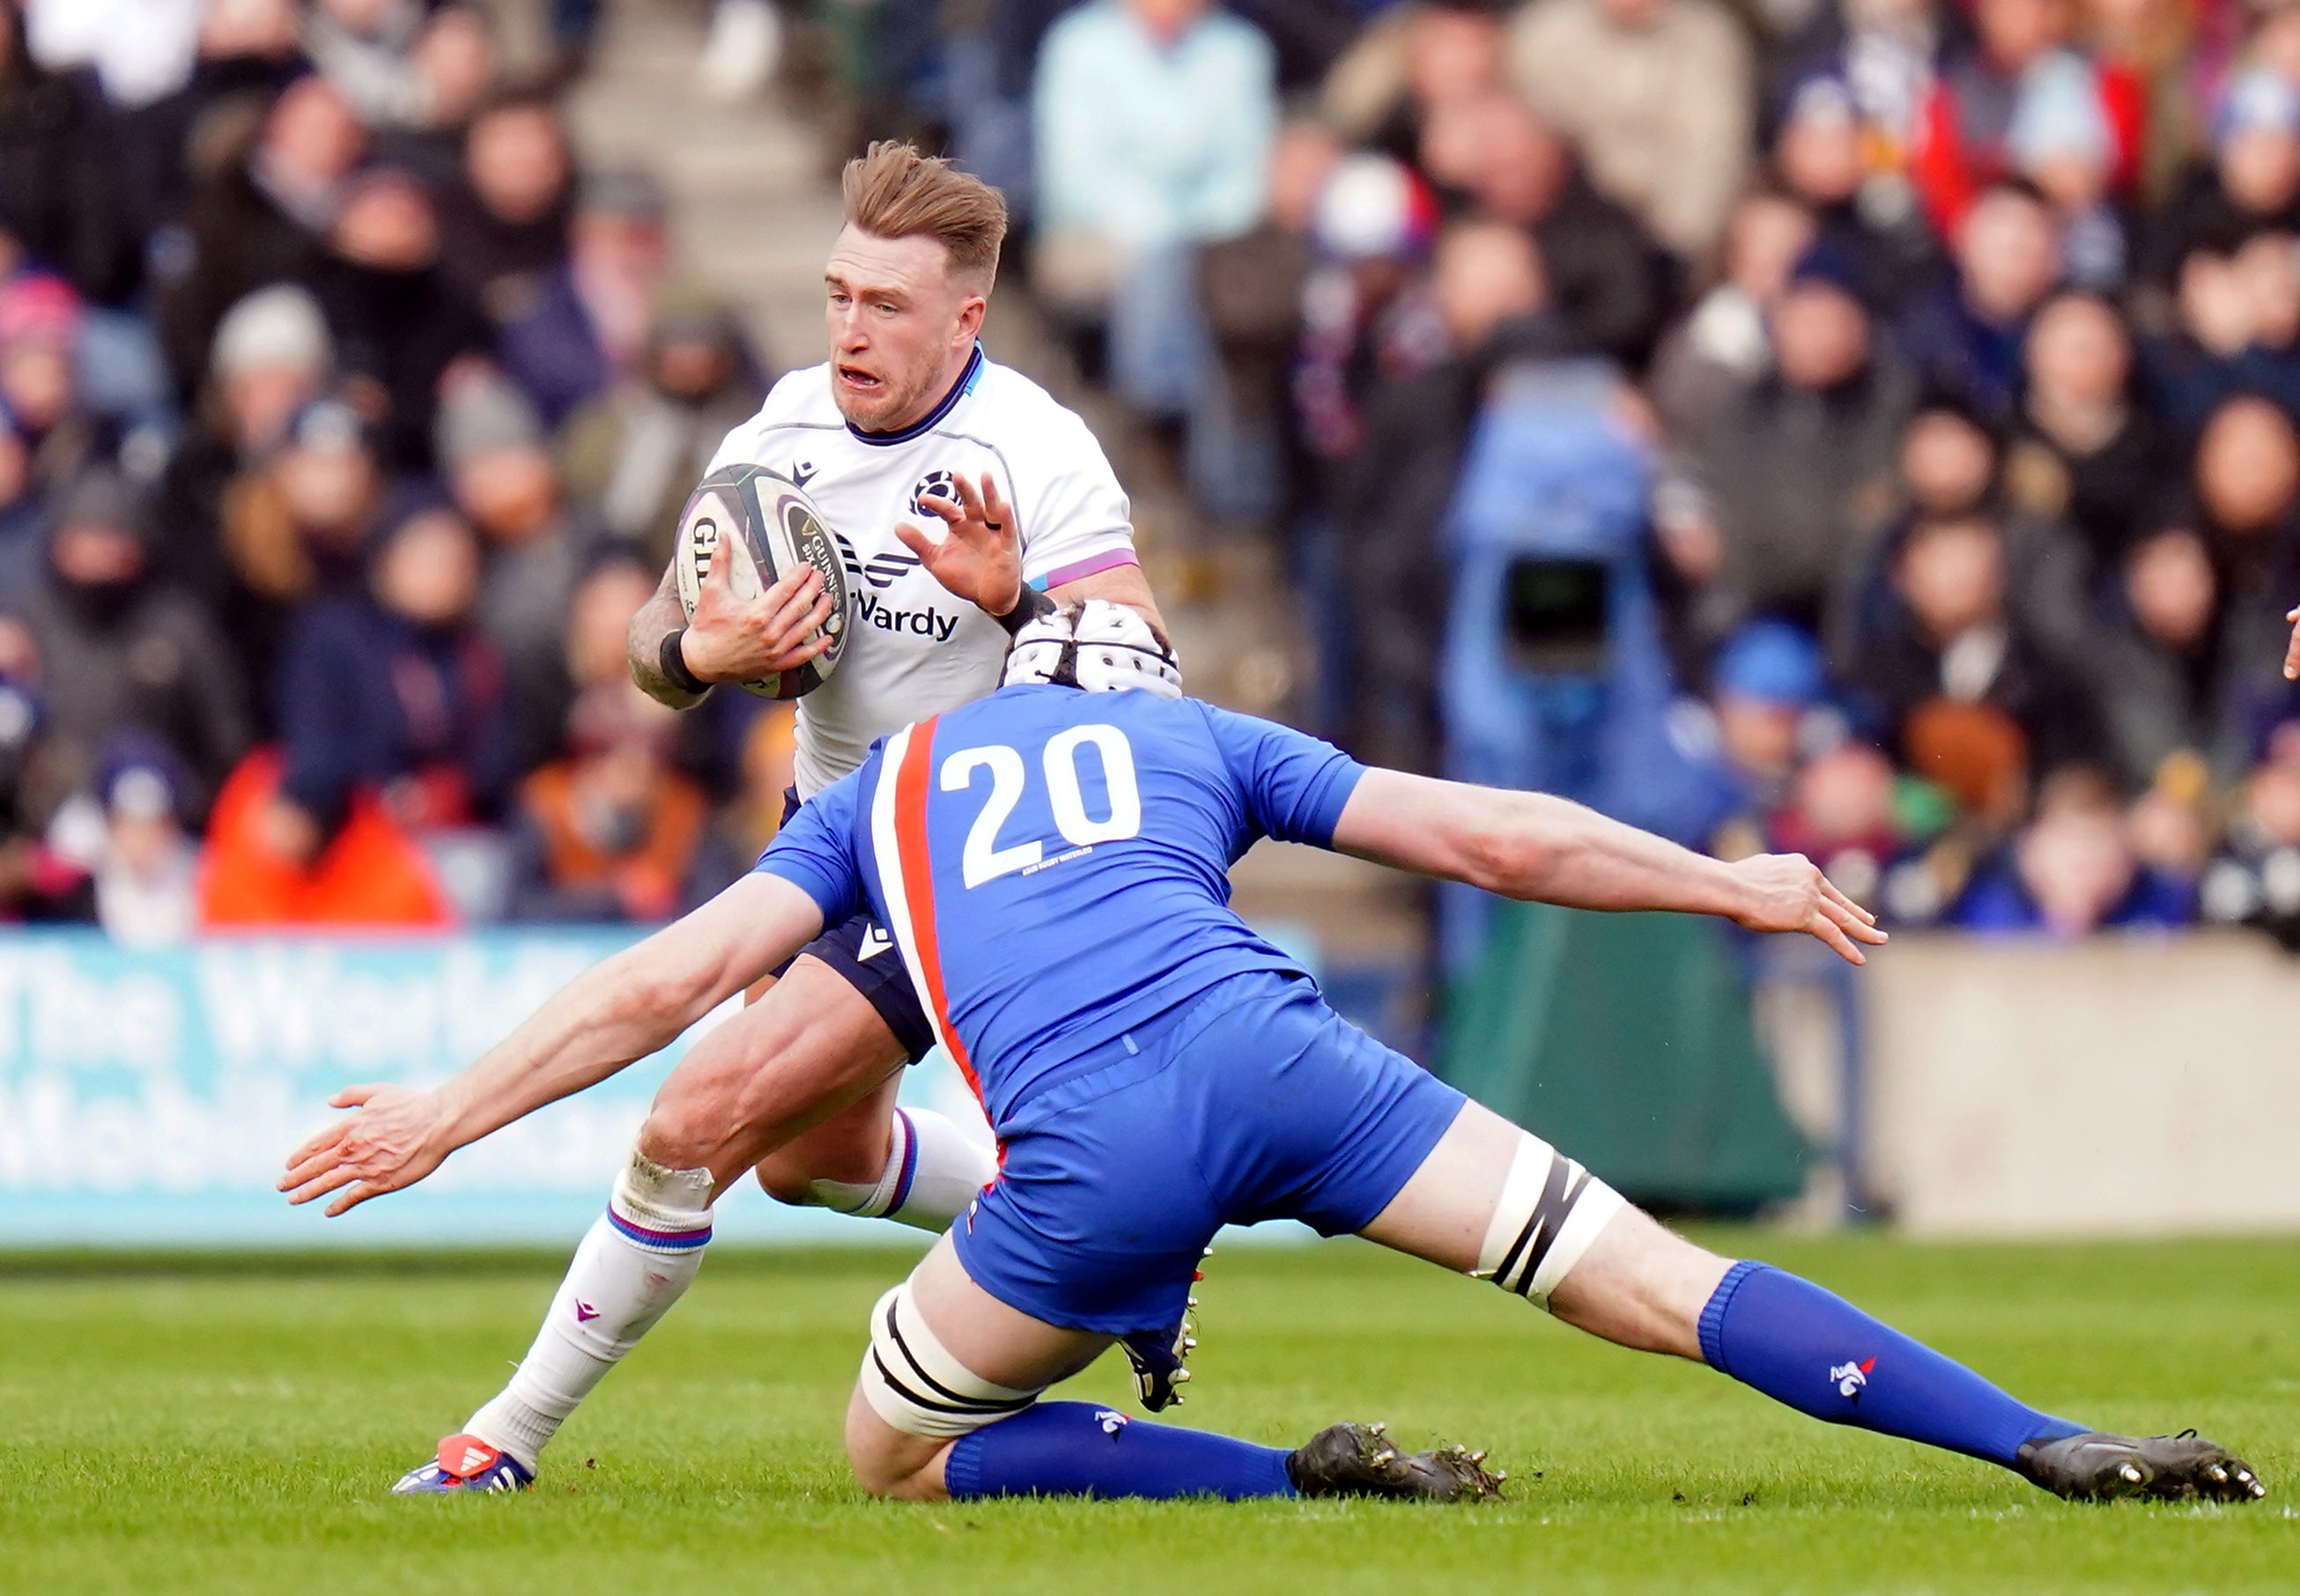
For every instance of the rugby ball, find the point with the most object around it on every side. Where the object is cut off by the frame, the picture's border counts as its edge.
(764, 524)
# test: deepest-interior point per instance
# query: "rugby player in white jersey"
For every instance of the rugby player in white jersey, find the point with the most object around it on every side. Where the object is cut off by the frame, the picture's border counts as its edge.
(965, 500)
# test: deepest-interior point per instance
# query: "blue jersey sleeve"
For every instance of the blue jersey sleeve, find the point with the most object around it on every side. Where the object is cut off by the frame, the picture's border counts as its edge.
(815, 853)
(1295, 785)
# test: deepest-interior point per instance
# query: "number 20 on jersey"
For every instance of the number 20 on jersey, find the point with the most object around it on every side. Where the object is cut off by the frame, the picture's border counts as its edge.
(983, 859)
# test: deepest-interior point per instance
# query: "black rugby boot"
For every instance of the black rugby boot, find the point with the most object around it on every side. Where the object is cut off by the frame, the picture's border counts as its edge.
(1350, 1459)
(2093, 1467)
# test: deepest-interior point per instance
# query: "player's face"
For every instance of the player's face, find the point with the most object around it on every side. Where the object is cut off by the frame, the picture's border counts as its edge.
(901, 326)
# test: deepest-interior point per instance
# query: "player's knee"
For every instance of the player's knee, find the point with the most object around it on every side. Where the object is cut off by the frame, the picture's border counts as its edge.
(835, 1164)
(875, 1453)
(1641, 1285)
(687, 1125)
(724, 1107)
(788, 1180)
(912, 1400)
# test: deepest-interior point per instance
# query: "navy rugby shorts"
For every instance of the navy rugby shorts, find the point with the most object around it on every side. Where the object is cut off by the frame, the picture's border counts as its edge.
(864, 956)
(1251, 1101)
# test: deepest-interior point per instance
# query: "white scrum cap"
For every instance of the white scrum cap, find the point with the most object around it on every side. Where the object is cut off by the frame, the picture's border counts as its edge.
(1098, 646)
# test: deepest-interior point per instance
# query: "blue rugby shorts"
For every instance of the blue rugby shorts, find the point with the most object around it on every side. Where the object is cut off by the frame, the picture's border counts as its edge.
(1252, 1101)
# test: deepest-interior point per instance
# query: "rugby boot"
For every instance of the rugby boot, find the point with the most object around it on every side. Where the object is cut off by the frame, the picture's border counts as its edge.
(2091, 1467)
(1349, 1459)
(1157, 1358)
(465, 1463)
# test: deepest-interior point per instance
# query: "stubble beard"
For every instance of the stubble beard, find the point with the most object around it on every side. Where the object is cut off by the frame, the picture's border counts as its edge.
(896, 406)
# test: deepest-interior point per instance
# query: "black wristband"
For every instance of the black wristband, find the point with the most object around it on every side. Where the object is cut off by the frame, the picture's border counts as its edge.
(674, 666)
(1029, 607)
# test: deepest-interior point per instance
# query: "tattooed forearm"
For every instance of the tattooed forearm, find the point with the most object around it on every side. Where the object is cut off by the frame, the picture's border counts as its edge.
(657, 620)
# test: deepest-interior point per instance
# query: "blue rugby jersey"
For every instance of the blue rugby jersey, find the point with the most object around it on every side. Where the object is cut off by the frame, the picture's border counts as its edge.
(1054, 864)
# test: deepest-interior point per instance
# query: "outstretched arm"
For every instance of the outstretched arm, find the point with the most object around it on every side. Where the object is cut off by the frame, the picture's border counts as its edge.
(620, 1012)
(1546, 850)
(1119, 585)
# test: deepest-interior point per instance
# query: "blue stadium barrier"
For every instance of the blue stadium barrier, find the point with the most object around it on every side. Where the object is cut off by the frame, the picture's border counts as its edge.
(149, 1098)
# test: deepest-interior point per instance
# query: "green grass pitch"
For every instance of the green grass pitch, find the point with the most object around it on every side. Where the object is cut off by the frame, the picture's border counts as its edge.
(233, 1426)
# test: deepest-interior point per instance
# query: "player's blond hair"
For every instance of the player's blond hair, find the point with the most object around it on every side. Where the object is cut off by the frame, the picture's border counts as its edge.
(892, 191)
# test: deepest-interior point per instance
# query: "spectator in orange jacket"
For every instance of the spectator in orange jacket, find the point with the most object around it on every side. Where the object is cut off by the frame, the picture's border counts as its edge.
(611, 832)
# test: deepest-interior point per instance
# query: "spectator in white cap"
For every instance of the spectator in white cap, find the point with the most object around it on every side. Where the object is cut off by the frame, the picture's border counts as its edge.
(140, 51)
(2060, 141)
(272, 356)
(1372, 229)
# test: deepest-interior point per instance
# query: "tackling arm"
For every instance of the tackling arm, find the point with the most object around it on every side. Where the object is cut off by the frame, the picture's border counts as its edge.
(1543, 848)
(1119, 585)
(620, 1012)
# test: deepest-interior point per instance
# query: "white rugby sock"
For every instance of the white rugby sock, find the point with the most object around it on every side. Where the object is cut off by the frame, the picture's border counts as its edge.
(933, 1171)
(636, 1261)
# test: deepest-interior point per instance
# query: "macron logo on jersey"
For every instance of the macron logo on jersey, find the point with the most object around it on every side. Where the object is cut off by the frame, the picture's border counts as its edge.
(881, 570)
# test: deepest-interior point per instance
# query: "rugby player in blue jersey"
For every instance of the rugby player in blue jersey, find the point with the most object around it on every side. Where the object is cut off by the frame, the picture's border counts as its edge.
(1052, 864)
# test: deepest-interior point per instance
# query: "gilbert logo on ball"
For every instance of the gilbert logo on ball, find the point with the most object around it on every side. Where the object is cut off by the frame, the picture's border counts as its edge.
(765, 525)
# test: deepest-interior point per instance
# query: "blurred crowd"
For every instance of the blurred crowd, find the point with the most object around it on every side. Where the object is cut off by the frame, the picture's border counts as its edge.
(1865, 427)
(345, 417)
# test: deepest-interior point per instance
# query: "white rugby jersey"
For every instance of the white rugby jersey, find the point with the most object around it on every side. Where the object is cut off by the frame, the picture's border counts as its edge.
(916, 649)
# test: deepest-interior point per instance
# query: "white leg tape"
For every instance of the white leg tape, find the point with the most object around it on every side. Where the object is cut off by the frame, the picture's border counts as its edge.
(669, 1199)
(913, 1382)
(1551, 1209)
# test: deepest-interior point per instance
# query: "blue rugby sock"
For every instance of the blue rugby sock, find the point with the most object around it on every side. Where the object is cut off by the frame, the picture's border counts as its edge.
(1817, 1353)
(1076, 1448)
